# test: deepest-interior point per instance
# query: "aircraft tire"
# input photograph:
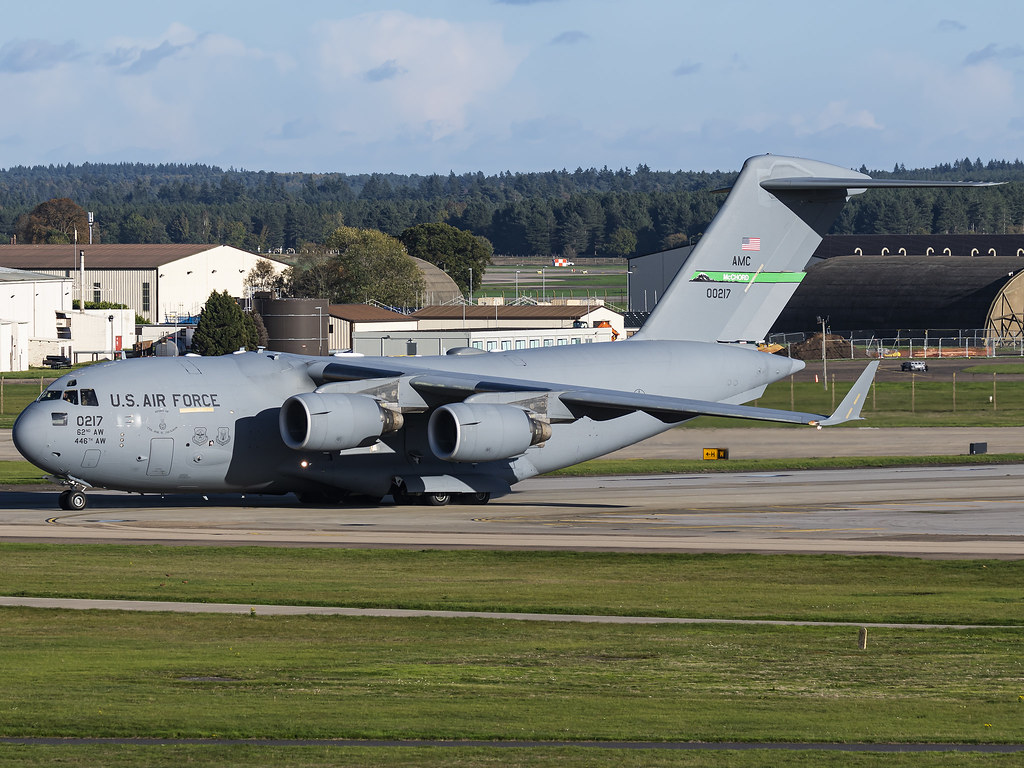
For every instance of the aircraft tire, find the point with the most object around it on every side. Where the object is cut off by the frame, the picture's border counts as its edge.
(437, 499)
(474, 498)
(403, 498)
(322, 499)
(72, 501)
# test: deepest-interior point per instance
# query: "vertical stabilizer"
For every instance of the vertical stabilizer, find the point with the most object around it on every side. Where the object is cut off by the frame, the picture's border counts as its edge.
(748, 264)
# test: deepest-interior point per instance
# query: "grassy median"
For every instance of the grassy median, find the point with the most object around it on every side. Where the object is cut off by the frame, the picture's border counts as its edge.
(108, 673)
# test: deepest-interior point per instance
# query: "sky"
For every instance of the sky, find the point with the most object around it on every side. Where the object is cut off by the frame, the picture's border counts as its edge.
(433, 86)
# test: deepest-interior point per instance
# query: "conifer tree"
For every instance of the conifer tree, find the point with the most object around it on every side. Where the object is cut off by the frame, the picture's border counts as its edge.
(223, 327)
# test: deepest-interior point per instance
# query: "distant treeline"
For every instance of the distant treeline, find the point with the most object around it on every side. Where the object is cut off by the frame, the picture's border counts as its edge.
(582, 212)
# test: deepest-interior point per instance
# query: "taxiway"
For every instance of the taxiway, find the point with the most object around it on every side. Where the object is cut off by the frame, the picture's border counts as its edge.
(948, 512)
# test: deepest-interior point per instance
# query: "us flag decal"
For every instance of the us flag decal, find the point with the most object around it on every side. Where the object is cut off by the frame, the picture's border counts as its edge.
(751, 244)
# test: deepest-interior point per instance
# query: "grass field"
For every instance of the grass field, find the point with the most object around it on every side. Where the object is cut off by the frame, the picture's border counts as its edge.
(99, 673)
(103, 673)
(821, 587)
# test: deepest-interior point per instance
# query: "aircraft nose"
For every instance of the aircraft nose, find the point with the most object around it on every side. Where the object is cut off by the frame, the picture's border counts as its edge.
(31, 436)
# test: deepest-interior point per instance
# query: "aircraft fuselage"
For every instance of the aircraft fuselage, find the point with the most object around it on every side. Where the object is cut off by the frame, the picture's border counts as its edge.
(194, 424)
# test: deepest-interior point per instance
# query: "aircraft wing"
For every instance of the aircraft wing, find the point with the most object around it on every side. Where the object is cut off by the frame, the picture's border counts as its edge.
(595, 402)
(677, 408)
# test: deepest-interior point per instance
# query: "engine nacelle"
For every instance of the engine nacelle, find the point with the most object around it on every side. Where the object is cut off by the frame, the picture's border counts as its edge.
(483, 432)
(316, 421)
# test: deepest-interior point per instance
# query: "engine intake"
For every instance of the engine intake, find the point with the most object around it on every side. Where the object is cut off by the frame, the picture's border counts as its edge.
(475, 432)
(316, 421)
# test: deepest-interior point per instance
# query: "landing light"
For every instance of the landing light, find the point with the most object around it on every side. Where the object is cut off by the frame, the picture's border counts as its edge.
(304, 464)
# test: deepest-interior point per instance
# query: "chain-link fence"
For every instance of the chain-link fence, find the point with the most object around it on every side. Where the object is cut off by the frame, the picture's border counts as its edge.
(910, 344)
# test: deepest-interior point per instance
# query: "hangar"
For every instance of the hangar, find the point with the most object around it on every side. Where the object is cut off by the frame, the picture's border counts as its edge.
(883, 293)
(884, 283)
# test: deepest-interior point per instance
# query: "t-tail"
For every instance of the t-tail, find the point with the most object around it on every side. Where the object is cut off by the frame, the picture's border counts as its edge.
(748, 264)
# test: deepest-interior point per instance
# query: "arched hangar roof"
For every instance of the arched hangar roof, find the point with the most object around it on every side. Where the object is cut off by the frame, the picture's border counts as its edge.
(892, 292)
(438, 286)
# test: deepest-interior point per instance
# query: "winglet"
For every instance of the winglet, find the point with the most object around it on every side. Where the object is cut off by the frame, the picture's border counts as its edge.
(849, 409)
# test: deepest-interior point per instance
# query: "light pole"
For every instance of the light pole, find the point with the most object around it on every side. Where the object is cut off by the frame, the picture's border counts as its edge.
(824, 365)
(543, 285)
(628, 273)
(517, 286)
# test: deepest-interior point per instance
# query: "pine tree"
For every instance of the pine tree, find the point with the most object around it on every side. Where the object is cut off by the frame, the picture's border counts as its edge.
(223, 327)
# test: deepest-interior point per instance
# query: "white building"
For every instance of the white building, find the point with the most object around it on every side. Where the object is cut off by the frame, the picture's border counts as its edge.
(439, 342)
(347, 319)
(158, 282)
(29, 303)
(538, 316)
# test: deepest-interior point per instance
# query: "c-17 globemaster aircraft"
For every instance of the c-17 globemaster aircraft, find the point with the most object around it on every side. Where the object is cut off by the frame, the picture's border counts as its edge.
(467, 425)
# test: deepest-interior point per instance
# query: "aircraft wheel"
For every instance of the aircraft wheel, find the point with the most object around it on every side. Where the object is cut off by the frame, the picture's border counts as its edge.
(323, 498)
(474, 498)
(437, 499)
(73, 501)
(403, 498)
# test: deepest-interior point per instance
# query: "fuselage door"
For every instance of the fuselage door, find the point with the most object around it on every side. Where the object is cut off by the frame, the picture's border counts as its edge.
(161, 451)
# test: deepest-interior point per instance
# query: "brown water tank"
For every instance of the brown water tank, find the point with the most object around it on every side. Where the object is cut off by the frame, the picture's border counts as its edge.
(295, 325)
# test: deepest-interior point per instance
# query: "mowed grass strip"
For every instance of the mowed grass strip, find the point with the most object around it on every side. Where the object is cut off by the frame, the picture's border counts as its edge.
(731, 586)
(174, 756)
(599, 467)
(108, 673)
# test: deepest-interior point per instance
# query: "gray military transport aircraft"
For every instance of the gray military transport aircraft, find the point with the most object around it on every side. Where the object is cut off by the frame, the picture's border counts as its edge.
(467, 425)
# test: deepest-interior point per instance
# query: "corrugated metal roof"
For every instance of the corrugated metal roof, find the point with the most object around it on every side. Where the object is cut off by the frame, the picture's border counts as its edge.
(366, 313)
(102, 256)
(545, 312)
(9, 275)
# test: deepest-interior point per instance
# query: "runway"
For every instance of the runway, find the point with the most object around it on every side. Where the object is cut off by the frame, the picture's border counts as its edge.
(939, 512)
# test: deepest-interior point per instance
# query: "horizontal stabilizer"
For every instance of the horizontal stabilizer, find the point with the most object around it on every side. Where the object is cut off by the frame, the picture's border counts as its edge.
(825, 183)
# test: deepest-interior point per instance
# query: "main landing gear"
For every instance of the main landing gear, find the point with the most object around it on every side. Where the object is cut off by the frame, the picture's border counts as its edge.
(440, 499)
(72, 500)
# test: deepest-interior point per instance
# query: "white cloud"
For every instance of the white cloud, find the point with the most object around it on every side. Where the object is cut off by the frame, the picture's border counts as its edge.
(391, 73)
(837, 114)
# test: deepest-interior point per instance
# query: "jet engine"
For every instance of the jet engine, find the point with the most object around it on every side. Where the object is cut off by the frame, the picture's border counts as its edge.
(316, 421)
(483, 432)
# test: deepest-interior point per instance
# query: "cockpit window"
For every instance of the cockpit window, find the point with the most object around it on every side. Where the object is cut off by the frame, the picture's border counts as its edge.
(89, 397)
(71, 395)
(50, 394)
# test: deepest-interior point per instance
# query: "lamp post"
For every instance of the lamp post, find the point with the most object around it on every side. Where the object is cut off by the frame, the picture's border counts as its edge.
(824, 365)
(319, 330)
(628, 273)
(517, 286)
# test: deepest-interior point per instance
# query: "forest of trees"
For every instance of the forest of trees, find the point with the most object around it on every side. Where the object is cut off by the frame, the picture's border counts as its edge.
(582, 212)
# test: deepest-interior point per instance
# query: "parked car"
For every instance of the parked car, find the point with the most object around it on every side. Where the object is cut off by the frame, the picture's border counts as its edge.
(913, 365)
